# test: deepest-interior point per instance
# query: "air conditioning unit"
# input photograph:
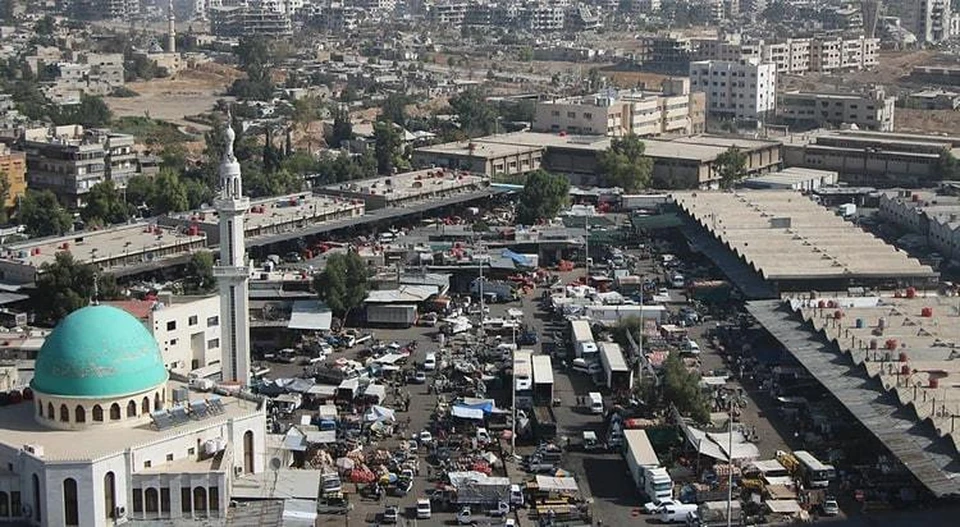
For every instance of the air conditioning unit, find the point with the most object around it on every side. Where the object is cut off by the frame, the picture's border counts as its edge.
(120, 512)
(237, 471)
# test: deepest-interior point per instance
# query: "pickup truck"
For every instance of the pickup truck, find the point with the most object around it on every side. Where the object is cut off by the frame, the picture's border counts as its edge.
(467, 517)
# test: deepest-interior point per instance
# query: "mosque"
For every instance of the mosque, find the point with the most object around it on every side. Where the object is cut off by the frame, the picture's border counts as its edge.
(105, 436)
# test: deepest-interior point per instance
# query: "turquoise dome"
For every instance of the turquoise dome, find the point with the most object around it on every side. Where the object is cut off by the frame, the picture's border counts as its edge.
(98, 351)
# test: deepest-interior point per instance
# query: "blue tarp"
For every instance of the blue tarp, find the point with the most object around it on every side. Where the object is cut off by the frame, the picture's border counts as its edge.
(518, 259)
(486, 406)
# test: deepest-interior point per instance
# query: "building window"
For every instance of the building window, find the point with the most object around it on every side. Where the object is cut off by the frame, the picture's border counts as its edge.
(213, 321)
(214, 498)
(192, 321)
(151, 500)
(80, 415)
(4, 505)
(71, 506)
(110, 494)
(50, 414)
(145, 405)
(200, 499)
(213, 343)
(173, 342)
(64, 413)
(185, 505)
(147, 464)
(115, 412)
(98, 413)
(172, 325)
(169, 457)
(132, 409)
(165, 499)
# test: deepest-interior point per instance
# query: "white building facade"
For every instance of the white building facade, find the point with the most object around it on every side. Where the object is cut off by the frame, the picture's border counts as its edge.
(744, 90)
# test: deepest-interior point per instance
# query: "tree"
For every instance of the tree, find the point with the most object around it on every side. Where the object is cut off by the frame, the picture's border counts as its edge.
(42, 215)
(169, 193)
(682, 388)
(200, 272)
(477, 116)
(4, 196)
(947, 167)
(387, 144)
(731, 167)
(140, 191)
(394, 109)
(92, 112)
(63, 286)
(542, 197)
(106, 204)
(624, 164)
(342, 128)
(343, 283)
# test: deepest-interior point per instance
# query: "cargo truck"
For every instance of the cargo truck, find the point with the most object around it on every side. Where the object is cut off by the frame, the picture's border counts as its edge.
(651, 479)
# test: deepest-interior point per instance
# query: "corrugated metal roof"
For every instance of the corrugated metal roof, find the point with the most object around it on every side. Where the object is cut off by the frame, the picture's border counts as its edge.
(929, 457)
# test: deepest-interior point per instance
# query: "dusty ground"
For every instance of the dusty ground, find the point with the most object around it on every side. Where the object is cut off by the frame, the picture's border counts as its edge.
(937, 121)
(893, 66)
(189, 93)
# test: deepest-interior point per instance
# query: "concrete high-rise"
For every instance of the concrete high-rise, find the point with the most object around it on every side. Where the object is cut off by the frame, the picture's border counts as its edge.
(232, 273)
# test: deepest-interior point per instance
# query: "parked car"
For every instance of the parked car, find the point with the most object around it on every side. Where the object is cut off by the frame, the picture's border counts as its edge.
(391, 514)
(419, 377)
(424, 509)
(589, 368)
(830, 507)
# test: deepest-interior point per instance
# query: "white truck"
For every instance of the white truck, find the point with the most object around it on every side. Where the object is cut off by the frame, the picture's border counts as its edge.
(651, 479)
(584, 346)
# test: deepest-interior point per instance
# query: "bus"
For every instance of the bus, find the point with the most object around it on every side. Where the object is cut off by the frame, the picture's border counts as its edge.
(815, 473)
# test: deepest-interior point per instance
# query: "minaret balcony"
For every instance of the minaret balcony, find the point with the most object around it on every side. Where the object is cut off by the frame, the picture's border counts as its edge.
(232, 205)
(231, 272)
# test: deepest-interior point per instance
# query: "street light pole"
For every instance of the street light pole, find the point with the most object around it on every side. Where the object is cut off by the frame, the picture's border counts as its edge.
(513, 401)
(730, 463)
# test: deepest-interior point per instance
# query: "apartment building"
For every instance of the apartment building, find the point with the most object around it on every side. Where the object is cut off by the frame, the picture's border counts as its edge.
(450, 13)
(873, 110)
(90, 73)
(13, 166)
(105, 9)
(236, 21)
(545, 17)
(929, 20)
(618, 113)
(69, 160)
(791, 55)
(744, 90)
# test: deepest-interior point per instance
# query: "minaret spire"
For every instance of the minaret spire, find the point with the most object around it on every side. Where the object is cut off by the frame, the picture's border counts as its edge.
(171, 29)
(232, 272)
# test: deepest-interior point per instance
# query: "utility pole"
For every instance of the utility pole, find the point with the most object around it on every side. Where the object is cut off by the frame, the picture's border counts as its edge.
(730, 462)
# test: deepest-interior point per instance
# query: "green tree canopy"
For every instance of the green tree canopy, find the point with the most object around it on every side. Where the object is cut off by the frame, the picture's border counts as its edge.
(731, 167)
(106, 204)
(543, 196)
(170, 194)
(682, 388)
(477, 116)
(387, 147)
(65, 285)
(92, 112)
(4, 196)
(624, 164)
(200, 273)
(342, 128)
(394, 109)
(42, 215)
(343, 283)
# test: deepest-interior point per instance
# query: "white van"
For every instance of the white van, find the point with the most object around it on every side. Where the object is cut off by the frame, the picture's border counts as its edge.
(676, 512)
(596, 402)
(430, 363)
